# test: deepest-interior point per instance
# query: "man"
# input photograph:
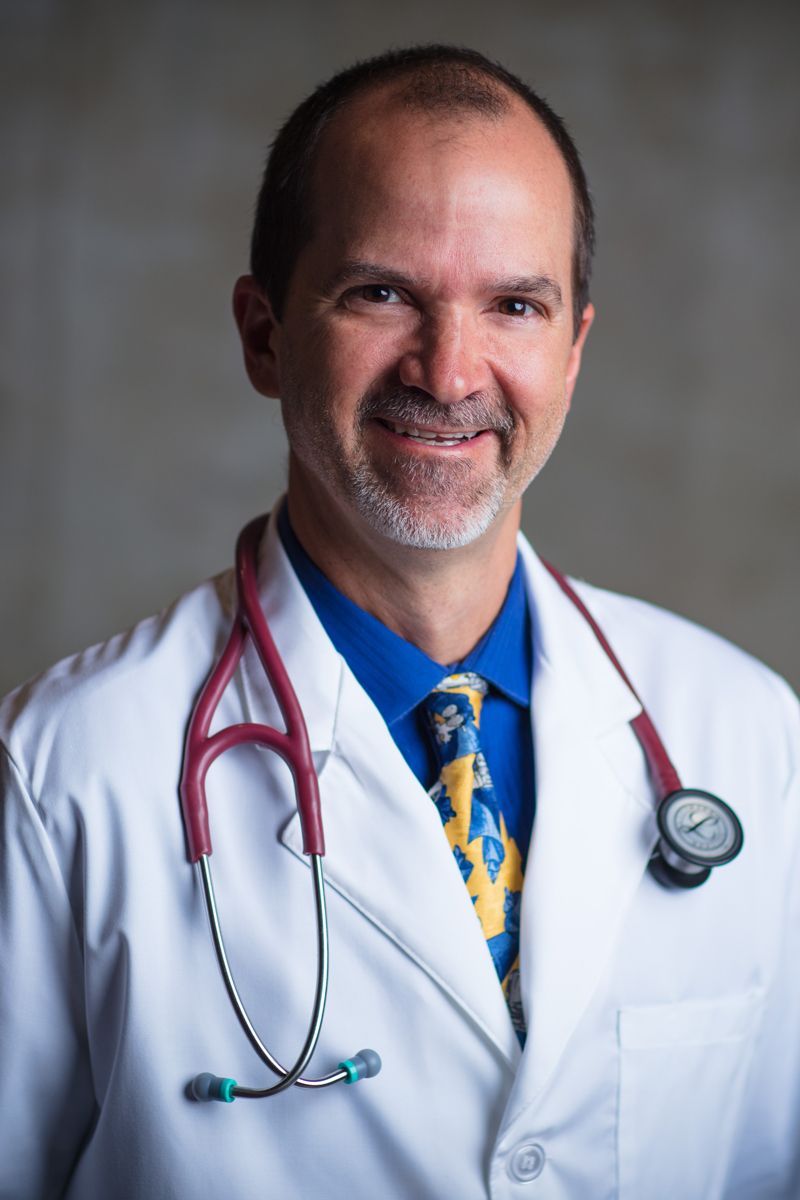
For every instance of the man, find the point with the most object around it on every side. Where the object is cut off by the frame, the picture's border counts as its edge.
(552, 1019)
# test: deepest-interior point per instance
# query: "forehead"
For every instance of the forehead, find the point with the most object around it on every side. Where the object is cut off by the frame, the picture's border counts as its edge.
(440, 181)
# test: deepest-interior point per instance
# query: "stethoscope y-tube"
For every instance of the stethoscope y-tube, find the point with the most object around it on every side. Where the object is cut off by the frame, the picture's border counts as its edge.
(697, 830)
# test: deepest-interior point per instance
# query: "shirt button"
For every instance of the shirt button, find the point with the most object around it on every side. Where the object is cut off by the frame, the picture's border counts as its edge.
(526, 1162)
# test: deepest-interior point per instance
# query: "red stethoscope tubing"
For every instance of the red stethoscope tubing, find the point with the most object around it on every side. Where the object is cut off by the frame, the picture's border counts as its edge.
(202, 748)
(664, 777)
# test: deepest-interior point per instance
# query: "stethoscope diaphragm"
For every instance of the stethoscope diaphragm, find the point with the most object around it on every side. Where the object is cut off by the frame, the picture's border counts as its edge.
(698, 831)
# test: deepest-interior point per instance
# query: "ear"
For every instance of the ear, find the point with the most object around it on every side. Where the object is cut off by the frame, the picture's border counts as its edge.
(576, 351)
(260, 335)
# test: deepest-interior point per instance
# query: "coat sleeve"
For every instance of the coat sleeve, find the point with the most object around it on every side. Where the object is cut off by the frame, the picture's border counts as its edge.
(46, 1096)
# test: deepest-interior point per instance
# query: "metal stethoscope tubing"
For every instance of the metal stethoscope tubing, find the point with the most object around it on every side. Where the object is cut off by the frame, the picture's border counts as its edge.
(294, 1075)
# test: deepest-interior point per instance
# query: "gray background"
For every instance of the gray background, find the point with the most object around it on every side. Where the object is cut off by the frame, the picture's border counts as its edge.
(131, 447)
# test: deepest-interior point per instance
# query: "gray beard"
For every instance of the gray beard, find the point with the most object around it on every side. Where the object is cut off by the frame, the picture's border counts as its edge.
(392, 516)
(375, 494)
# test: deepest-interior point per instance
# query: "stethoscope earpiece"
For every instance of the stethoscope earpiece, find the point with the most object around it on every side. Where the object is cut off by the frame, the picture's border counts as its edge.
(364, 1065)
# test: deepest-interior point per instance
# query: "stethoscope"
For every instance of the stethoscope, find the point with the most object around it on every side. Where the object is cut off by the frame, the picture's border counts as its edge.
(697, 830)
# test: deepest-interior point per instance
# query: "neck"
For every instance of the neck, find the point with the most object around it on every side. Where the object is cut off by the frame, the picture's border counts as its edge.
(441, 601)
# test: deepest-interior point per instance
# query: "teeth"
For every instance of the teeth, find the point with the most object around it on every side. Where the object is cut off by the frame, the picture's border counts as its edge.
(430, 439)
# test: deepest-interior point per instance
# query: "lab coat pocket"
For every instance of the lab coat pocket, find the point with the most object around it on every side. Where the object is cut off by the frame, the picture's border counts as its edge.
(683, 1069)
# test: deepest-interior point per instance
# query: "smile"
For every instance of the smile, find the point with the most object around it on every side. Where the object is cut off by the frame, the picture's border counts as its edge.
(431, 437)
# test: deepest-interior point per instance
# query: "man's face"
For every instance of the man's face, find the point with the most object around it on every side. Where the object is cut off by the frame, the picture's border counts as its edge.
(425, 359)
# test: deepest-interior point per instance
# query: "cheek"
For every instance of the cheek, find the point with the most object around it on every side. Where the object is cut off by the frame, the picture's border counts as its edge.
(534, 384)
(354, 357)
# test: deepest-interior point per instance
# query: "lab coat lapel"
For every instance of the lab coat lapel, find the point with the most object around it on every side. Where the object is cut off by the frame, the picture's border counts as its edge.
(387, 854)
(593, 830)
(385, 849)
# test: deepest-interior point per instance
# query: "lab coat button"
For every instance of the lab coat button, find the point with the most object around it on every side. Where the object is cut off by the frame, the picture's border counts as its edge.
(526, 1162)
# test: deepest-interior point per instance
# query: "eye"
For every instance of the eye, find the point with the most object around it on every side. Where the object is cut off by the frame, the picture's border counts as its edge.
(510, 307)
(377, 293)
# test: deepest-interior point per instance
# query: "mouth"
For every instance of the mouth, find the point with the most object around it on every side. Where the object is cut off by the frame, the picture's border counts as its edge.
(432, 437)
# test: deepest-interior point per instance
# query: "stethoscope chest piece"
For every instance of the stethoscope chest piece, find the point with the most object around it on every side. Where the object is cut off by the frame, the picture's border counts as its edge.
(698, 831)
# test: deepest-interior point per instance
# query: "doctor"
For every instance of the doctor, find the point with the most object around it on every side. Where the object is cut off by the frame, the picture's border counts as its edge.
(552, 1022)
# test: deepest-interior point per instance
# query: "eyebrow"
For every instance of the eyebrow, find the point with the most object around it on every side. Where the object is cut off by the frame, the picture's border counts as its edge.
(357, 269)
(542, 287)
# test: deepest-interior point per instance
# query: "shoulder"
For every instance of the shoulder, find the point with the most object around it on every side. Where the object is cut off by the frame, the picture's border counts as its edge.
(683, 670)
(706, 695)
(669, 642)
(121, 691)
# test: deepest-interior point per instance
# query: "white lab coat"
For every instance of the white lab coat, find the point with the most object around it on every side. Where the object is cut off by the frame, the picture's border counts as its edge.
(663, 1056)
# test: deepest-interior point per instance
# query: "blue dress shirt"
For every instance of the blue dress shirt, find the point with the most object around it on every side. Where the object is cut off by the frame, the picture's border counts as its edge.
(398, 676)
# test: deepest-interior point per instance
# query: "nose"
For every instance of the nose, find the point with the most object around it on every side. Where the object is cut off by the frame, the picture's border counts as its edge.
(447, 361)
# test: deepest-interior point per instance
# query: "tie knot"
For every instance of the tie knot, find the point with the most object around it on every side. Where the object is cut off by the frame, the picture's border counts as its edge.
(454, 712)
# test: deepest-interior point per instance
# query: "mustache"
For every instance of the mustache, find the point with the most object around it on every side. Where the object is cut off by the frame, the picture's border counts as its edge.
(411, 406)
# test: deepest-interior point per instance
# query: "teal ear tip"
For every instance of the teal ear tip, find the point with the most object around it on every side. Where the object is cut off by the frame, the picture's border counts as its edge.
(213, 1087)
(363, 1065)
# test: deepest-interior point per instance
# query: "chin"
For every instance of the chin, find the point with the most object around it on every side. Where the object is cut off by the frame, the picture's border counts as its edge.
(420, 526)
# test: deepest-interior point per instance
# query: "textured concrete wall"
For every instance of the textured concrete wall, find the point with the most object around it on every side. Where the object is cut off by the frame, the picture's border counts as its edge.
(131, 447)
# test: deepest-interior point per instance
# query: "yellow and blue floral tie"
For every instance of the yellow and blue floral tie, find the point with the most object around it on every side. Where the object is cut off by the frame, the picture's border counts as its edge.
(486, 854)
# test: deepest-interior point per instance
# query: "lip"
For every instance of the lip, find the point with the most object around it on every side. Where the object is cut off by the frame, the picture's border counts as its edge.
(451, 440)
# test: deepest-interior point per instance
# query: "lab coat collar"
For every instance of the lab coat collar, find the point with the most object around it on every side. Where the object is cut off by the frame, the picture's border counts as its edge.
(565, 643)
(385, 851)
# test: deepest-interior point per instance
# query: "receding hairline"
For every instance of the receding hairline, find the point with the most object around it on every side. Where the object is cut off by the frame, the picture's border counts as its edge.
(453, 92)
(454, 88)
(409, 96)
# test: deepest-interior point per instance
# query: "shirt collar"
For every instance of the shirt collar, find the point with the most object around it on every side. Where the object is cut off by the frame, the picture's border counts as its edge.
(396, 674)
